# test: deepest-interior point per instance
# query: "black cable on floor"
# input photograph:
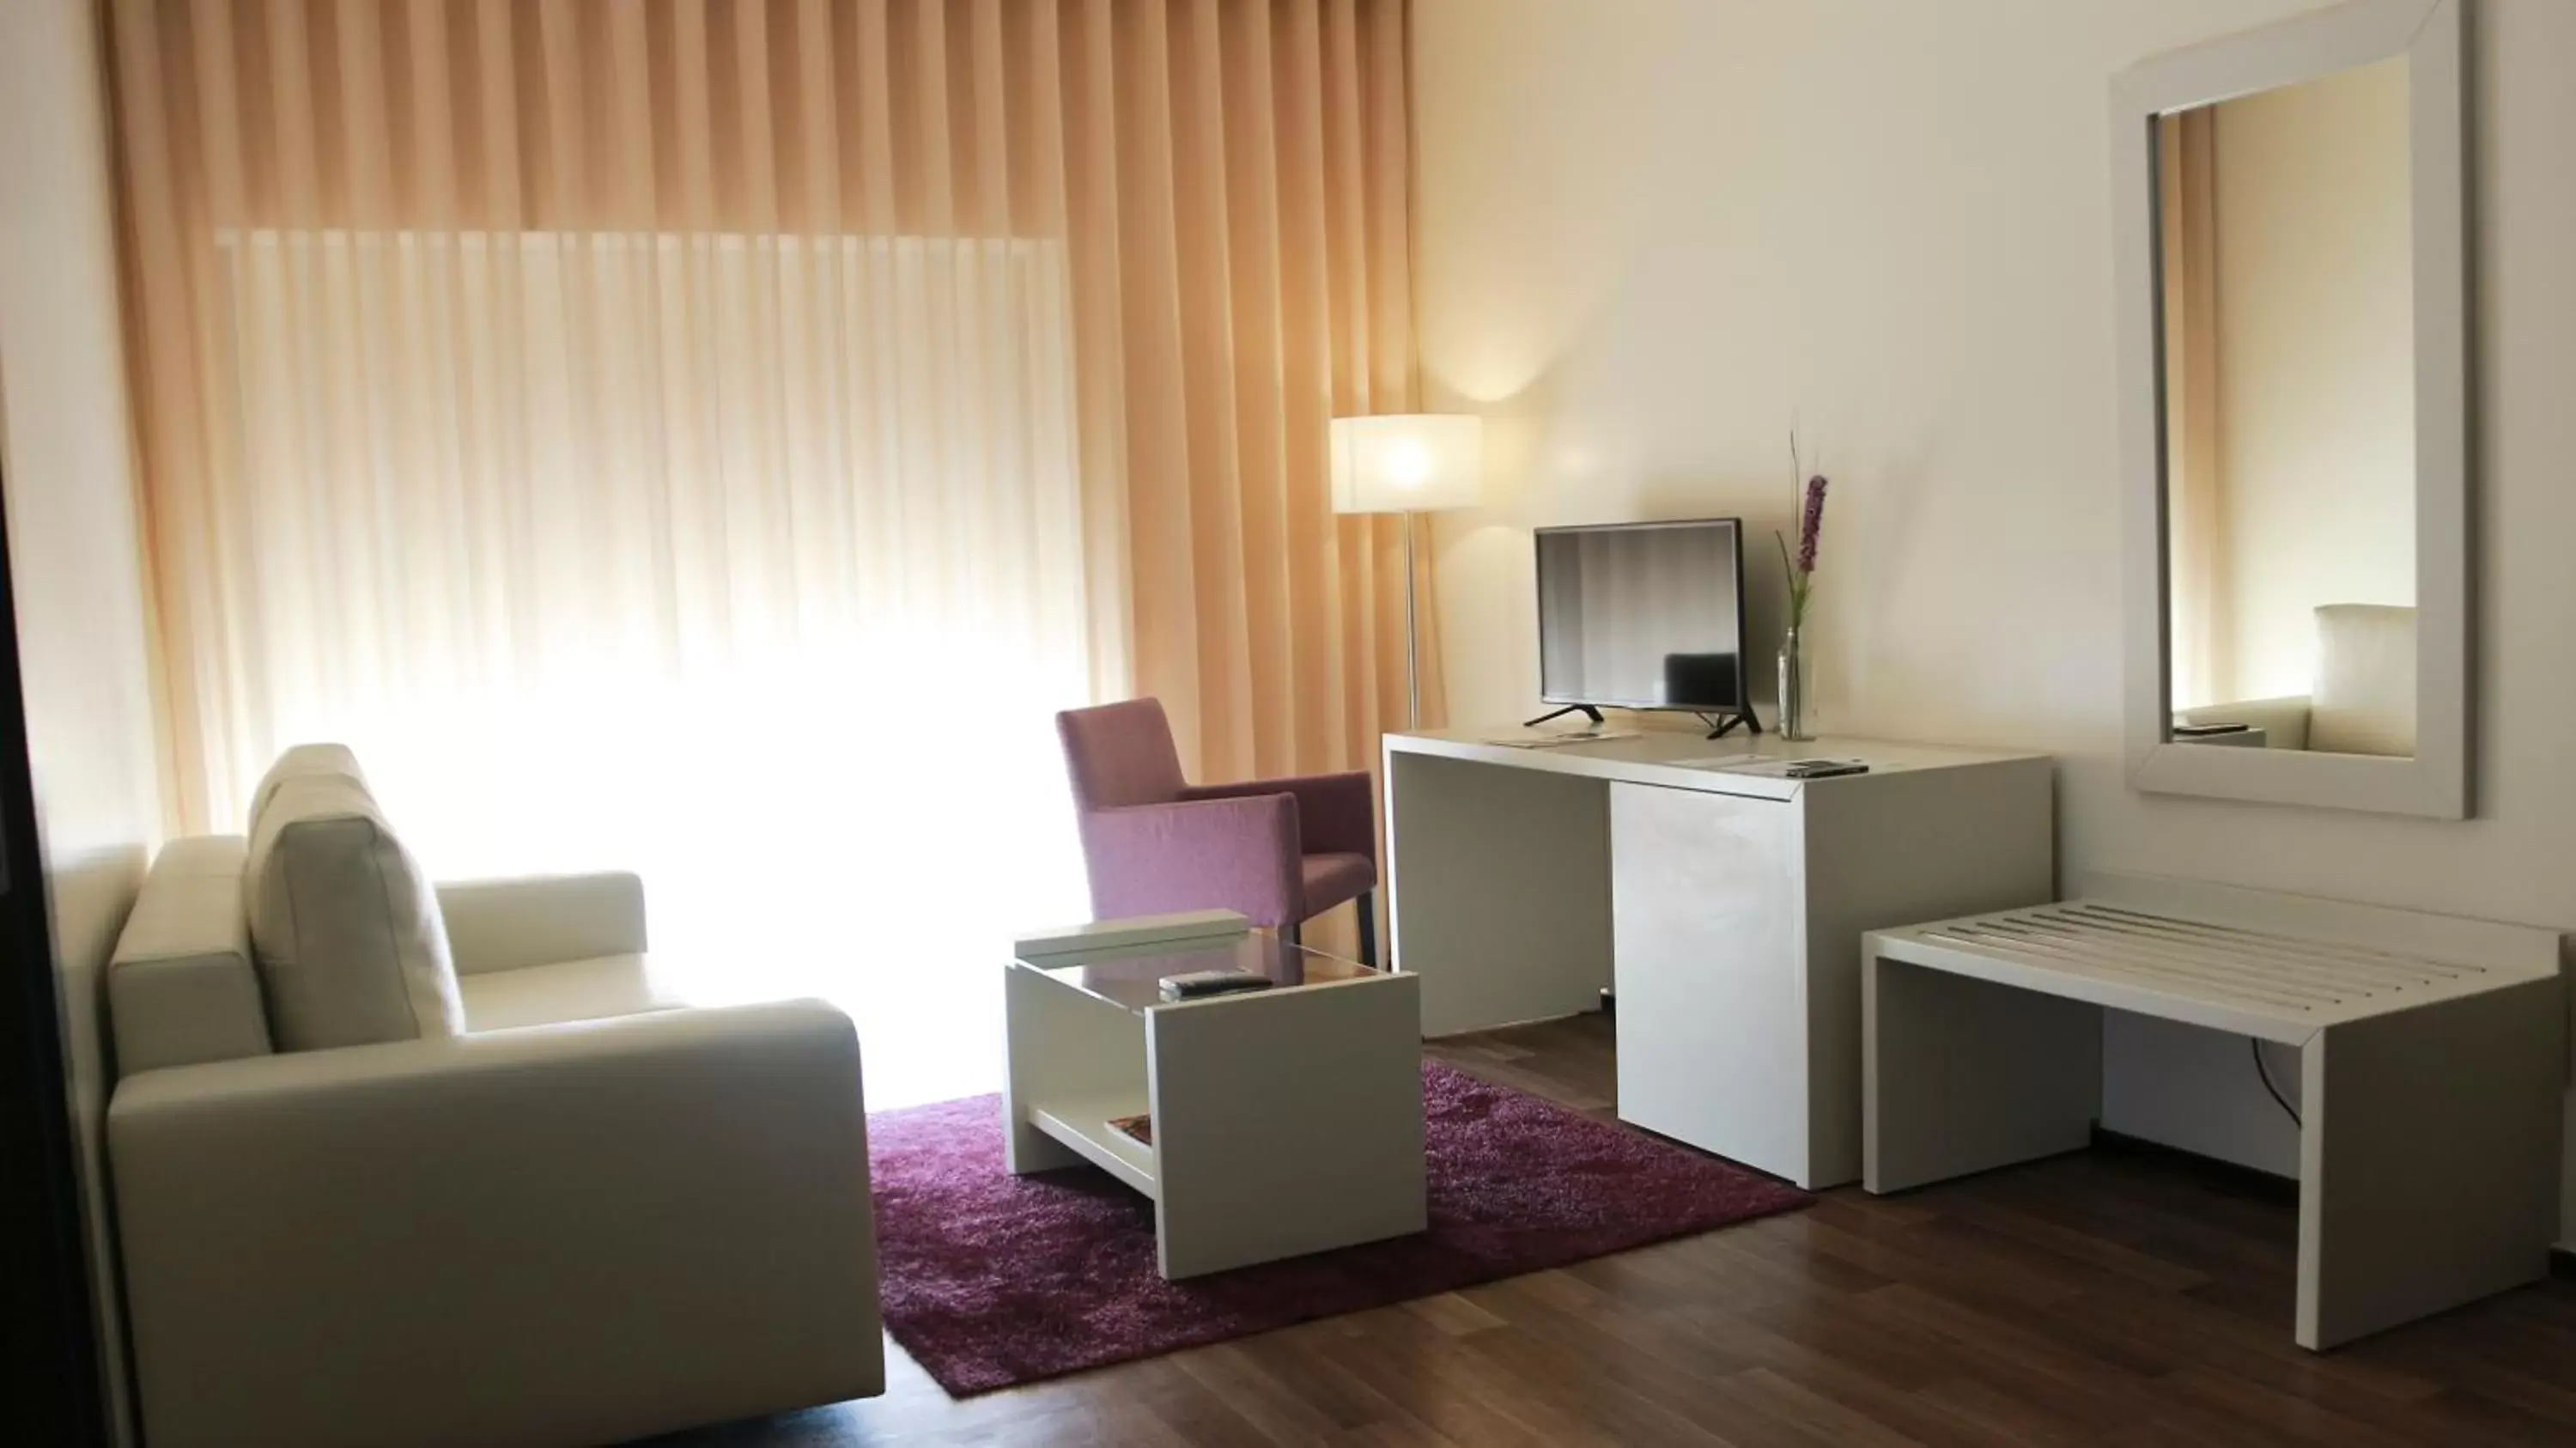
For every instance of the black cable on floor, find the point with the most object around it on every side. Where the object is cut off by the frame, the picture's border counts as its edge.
(2266, 1073)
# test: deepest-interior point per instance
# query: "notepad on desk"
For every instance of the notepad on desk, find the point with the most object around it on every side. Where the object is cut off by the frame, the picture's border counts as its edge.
(1550, 741)
(1812, 768)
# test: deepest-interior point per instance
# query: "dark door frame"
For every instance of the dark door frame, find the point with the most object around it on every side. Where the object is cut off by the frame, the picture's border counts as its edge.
(50, 1389)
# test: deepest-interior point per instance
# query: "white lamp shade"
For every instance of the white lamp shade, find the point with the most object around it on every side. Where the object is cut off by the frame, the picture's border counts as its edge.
(1414, 462)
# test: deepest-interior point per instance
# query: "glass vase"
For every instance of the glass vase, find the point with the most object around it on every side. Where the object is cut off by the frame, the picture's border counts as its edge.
(1793, 688)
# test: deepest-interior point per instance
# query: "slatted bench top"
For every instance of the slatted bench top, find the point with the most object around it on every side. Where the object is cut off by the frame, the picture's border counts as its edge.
(2212, 967)
(2432, 1062)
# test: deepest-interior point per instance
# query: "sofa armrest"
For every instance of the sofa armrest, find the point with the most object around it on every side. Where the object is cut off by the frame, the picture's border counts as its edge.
(561, 1234)
(182, 987)
(541, 920)
(1335, 812)
(1161, 859)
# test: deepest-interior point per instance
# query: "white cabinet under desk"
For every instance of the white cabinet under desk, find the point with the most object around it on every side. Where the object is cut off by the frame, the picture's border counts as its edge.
(1727, 907)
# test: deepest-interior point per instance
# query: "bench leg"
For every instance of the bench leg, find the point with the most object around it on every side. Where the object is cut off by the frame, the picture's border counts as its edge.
(2428, 1159)
(1961, 1075)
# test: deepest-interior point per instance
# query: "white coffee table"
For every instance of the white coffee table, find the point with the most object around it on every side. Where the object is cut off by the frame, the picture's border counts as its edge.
(1284, 1121)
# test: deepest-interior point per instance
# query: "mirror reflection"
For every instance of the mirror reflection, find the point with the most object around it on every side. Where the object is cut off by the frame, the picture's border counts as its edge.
(2289, 412)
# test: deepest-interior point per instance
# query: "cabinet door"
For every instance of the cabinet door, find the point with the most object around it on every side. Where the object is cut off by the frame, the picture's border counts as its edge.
(1707, 910)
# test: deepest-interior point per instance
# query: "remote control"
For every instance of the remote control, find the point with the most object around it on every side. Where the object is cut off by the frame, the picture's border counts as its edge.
(1199, 984)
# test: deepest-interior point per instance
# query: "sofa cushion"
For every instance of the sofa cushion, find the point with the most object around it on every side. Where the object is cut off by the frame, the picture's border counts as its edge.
(569, 990)
(2365, 700)
(350, 946)
(304, 761)
(181, 988)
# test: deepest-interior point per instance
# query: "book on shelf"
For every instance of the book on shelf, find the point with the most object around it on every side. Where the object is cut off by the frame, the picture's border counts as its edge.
(1139, 1127)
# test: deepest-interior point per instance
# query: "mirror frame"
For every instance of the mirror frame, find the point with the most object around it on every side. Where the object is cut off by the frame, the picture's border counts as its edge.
(2435, 782)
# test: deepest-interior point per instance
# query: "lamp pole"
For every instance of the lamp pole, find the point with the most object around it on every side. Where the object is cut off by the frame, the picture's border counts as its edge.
(1412, 636)
(1408, 463)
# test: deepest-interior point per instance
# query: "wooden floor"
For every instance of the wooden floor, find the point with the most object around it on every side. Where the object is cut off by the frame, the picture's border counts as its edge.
(2114, 1298)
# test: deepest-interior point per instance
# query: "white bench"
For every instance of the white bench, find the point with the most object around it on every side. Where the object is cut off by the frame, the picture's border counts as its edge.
(2432, 1067)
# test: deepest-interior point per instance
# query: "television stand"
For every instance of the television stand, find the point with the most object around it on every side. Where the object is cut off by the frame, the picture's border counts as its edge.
(1585, 710)
(1726, 723)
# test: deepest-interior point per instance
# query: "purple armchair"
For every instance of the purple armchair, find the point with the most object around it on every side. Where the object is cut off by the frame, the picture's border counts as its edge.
(1277, 851)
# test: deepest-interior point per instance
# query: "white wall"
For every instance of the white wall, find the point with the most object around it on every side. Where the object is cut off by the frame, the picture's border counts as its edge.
(1651, 230)
(73, 545)
(2316, 375)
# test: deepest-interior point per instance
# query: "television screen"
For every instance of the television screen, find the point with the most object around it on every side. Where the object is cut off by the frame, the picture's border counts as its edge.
(1642, 615)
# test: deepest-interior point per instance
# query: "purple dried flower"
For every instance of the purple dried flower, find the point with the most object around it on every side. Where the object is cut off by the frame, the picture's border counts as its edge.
(1811, 527)
(1811, 523)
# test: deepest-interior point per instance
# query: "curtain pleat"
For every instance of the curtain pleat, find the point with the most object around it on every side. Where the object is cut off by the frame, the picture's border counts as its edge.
(488, 352)
(2196, 502)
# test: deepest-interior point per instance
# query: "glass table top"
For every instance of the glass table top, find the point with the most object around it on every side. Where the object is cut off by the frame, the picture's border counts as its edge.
(1134, 979)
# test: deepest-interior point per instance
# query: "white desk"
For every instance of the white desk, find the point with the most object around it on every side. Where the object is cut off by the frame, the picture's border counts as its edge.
(2431, 1055)
(1728, 908)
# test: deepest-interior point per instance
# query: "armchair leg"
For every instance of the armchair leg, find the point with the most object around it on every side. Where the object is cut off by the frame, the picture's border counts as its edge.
(1366, 904)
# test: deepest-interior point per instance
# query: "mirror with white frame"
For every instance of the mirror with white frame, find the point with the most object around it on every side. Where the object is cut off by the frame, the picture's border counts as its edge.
(2293, 411)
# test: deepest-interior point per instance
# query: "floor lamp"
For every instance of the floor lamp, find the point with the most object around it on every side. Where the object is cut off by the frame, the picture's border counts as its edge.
(1408, 463)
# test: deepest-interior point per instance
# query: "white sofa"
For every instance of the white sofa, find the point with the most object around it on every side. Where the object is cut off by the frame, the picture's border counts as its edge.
(2364, 699)
(400, 1168)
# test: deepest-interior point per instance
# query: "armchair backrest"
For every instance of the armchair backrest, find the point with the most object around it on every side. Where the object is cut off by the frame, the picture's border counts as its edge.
(1120, 754)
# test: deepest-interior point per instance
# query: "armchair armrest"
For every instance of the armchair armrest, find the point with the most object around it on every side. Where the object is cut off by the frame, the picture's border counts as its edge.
(1160, 859)
(1335, 812)
(604, 1229)
(541, 920)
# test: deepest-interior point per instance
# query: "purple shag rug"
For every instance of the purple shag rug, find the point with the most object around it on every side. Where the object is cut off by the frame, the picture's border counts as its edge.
(991, 1280)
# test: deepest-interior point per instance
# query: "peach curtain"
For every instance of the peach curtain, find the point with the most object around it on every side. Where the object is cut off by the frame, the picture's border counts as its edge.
(2195, 487)
(498, 357)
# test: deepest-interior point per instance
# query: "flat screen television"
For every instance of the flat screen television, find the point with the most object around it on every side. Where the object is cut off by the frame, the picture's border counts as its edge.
(1644, 616)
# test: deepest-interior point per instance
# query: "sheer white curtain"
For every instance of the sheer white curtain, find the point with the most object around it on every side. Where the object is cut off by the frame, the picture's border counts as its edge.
(754, 563)
(708, 436)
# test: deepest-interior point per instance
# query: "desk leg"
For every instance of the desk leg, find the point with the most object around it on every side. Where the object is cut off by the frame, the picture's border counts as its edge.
(1961, 1075)
(1500, 890)
(2428, 1159)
